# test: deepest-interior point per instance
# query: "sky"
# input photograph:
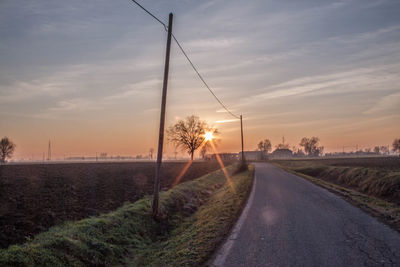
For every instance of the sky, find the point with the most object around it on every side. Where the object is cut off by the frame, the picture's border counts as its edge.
(88, 74)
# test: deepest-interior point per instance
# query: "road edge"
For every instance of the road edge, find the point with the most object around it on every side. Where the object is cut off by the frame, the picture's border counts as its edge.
(355, 198)
(222, 252)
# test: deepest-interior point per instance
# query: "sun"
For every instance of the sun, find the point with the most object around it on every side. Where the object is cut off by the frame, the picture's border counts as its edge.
(208, 136)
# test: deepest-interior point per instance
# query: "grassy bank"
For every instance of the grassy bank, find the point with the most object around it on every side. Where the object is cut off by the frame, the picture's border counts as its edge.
(195, 217)
(380, 182)
(375, 190)
(35, 197)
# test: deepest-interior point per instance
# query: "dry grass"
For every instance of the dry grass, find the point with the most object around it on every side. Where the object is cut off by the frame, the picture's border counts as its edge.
(196, 216)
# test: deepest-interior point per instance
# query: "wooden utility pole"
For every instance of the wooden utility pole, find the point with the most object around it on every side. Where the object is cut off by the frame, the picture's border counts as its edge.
(241, 131)
(49, 152)
(162, 121)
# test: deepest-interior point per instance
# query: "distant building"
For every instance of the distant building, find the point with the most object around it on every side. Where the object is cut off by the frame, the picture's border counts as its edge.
(282, 153)
(253, 155)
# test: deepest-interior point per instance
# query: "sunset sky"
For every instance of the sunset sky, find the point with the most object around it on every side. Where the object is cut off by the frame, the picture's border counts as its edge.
(88, 74)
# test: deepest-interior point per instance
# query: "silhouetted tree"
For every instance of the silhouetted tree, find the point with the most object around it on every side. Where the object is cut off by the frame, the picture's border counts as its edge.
(377, 150)
(396, 145)
(264, 145)
(311, 146)
(7, 148)
(188, 134)
(299, 153)
(384, 150)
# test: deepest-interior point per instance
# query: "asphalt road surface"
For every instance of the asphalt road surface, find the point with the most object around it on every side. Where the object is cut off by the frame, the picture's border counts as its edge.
(292, 222)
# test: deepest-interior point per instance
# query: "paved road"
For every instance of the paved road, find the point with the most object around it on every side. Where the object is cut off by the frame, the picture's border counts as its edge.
(292, 222)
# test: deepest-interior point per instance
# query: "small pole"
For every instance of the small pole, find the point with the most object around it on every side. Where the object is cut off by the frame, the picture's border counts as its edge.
(162, 121)
(49, 152)
(241, 131)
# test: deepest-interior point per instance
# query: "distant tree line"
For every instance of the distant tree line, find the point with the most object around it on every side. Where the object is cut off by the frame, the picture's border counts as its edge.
(311, 147)
(188, 135)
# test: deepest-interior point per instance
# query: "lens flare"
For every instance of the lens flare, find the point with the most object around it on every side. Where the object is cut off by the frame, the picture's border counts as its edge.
(221, 164)
(179, 177)
(189, 163)
(184, 170)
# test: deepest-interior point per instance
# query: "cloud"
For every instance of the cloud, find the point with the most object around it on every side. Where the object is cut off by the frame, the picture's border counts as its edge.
(366, 124)
(82, 78)
(387, 104)
(140, 87)
(222, 110)
(275, 62)
(75, 105)
(337, 83)
(213, 43)
(358, 38)
(20, 90)
(226, 121)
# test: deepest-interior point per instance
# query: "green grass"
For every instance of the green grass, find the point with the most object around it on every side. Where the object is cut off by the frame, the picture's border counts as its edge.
(197, 236)
(375, 182)
(194, 218)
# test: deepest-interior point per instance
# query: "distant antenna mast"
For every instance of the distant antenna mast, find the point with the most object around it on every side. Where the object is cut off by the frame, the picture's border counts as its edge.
(283, 140)
(49, 152)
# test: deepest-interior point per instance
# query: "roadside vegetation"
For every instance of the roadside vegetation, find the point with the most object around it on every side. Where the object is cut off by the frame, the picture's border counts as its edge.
(195, 217)
(35, 197)
(370, 183)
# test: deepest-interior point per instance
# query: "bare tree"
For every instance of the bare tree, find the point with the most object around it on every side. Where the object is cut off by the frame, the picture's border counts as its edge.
(188, 134)
(311, 147)
(384, 150)
(396, 145)
(151, 153)
(7, 148)
(264, 145)
(299, 153)
(377, 150)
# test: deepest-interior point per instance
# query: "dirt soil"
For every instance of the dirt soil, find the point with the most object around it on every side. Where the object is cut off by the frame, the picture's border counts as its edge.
(35, 197)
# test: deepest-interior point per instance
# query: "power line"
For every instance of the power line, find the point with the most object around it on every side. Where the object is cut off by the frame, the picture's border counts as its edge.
(190, 61)
(202, 79)
(148, 12)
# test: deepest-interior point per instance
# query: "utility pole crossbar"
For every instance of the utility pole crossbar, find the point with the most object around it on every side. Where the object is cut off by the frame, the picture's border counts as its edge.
(162, 122)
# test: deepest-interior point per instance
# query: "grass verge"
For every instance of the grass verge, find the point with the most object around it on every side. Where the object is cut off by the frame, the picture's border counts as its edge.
(194, 218)
(385, 211)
